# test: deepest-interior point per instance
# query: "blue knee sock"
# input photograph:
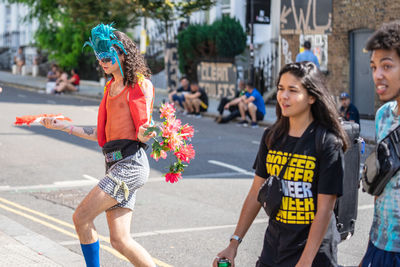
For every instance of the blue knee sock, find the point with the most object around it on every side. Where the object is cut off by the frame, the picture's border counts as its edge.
(91, 254)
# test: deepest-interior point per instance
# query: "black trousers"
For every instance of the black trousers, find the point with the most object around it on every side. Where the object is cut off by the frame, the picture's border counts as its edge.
(234, 110)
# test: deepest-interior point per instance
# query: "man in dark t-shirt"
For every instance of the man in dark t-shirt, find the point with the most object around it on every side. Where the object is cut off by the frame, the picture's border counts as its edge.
(348, 111)
(177, 96)
(306, 176)
(196, 101)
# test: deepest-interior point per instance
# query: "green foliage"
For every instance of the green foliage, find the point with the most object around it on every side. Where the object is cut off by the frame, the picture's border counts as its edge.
(230, 39)
(64, 25)
(195, 42)
(225, 38)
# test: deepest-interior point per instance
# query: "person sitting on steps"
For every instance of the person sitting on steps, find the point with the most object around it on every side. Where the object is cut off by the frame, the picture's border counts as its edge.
(251, 104)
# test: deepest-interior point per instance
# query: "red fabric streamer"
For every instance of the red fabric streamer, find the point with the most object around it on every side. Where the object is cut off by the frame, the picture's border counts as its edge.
(28, 119)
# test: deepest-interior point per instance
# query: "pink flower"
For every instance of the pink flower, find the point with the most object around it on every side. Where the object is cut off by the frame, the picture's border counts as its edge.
(171, 127)
(185, 153)
(173, 177)
(174, 141)
(167, 111)
(158, 154)
(187, 131)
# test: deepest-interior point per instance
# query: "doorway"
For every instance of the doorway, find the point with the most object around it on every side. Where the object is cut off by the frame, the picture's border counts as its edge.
(362, 88)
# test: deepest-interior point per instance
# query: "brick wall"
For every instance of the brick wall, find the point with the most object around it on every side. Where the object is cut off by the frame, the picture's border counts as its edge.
(348, 15)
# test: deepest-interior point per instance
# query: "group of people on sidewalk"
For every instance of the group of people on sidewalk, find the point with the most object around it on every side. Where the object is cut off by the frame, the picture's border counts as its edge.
(189, 98)
(302, 231)
(58, 81)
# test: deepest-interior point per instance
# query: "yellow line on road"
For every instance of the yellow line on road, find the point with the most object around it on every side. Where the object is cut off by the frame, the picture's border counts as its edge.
(54, 227)
(38, 221)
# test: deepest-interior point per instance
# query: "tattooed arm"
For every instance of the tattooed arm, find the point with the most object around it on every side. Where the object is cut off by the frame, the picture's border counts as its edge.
(89, 133)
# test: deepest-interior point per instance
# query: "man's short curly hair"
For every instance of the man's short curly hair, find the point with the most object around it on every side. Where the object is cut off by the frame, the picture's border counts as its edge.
(387, 37)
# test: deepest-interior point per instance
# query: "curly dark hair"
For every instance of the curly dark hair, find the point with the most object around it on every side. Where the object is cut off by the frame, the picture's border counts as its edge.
(387, 37)
(134, 61)
(323, 109)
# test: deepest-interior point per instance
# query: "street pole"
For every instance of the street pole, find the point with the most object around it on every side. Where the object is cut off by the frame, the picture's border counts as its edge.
(251, 71)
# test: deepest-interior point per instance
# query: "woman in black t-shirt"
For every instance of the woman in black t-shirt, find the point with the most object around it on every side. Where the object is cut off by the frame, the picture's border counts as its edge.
(303, 232)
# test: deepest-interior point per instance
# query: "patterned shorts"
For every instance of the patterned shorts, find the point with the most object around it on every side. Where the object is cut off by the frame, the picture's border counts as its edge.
(125, 177)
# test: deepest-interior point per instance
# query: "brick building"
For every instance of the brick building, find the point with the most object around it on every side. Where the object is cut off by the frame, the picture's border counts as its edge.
(338, 30)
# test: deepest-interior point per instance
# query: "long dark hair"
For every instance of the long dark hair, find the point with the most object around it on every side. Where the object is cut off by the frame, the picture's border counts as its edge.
(134, 61)
(323, 109)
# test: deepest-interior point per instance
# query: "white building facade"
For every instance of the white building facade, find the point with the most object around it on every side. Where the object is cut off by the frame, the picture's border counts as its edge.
(16, 32)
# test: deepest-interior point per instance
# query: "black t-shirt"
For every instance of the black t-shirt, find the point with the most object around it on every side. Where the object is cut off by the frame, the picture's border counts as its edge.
(307, 175)
(203, 95)
(181, 89)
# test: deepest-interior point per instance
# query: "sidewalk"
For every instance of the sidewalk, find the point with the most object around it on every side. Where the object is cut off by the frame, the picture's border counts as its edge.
(20, 246)
(93, 90)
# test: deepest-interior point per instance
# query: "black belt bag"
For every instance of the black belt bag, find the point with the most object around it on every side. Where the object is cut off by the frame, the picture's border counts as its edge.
(117, 150)
(382, 164)
(270, 193)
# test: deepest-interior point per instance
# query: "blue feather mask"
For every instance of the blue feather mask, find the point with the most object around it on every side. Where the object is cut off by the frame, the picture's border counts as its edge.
(102, 41)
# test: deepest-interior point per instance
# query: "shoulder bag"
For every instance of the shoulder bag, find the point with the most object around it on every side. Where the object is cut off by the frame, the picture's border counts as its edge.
(271, 191)
(382, 164)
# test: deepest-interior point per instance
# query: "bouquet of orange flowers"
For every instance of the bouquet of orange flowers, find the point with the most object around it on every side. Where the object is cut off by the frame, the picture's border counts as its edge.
(172, 137)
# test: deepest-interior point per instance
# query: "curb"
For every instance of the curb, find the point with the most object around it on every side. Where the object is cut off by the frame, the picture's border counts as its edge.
(44, 246)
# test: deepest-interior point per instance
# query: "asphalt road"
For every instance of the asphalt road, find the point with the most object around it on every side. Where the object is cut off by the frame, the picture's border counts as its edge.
(46, 173)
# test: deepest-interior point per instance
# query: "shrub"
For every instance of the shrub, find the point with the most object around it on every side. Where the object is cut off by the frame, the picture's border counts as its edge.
(225, 38)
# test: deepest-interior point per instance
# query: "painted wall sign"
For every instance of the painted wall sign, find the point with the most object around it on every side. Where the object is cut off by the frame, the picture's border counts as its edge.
(306, 17)
(218, 79)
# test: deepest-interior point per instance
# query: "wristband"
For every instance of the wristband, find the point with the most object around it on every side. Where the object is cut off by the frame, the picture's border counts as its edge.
(70, 130)
(237, 238)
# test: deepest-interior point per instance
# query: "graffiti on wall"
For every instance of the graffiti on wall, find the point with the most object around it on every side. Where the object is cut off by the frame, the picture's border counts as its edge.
(319, 46)
(306, 17)
(287, 54)
(171, 66)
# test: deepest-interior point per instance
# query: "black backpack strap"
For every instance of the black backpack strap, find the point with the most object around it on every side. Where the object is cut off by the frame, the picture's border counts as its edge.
(320, 136)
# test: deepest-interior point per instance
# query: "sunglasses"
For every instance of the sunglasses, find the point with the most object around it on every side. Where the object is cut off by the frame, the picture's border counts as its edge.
(107, 60)
(106, 57)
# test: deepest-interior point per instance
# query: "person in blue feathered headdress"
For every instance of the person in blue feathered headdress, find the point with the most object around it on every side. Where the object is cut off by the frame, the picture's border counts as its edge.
(123, 118)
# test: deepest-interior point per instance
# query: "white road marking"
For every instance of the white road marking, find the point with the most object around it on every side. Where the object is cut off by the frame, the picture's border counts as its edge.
(89, 181)
(229, 166)
(60, 184)
(256, 142)
(90, 109)
(366, 207)
(21, 95)
(217, 175)
(90, 177)
(174, 231)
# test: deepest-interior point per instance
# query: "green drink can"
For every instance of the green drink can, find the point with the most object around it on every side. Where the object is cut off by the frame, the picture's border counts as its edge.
(224, 263)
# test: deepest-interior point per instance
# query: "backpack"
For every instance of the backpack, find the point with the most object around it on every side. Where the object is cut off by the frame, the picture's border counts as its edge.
(347, 205)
